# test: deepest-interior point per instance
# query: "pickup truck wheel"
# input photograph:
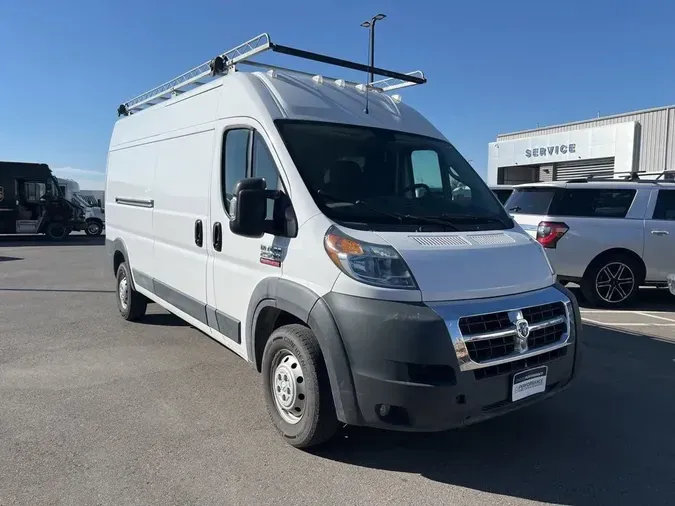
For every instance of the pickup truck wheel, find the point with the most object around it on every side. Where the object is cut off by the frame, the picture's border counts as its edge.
(296, 387)
(612, 282)
(132, 305)
(93, 228)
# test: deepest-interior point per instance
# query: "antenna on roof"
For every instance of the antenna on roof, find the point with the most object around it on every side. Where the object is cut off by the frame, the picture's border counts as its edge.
(370, 24)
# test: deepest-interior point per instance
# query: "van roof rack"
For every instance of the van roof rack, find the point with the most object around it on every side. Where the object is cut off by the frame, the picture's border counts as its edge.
(225, 62)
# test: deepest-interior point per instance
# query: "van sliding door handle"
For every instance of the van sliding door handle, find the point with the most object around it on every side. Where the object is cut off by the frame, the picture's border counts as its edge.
(199, 233)
(659, 232)
(217, 236)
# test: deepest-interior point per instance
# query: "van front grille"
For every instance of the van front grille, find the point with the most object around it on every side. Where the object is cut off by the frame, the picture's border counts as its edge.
(484, 323)
(493, 336)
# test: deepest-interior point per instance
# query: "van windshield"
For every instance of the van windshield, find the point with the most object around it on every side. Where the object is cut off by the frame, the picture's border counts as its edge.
(388, 180)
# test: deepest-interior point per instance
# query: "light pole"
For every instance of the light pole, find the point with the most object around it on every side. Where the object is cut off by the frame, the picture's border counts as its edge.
(371, 52)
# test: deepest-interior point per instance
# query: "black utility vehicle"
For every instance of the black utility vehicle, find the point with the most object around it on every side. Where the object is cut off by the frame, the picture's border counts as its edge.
(32, 203)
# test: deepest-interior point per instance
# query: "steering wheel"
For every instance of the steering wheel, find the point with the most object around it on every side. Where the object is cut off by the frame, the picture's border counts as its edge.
(417, 185)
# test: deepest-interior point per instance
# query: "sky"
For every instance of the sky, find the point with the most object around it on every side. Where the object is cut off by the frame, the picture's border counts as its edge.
(492, 66)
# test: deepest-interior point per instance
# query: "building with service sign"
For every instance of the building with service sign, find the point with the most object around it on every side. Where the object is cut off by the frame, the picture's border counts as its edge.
(642, 141)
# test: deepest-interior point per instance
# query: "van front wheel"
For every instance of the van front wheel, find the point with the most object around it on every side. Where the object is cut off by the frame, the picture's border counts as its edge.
(132, 305)
(296, 387)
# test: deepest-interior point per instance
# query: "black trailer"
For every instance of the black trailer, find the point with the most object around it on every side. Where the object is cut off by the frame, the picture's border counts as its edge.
(32, 203)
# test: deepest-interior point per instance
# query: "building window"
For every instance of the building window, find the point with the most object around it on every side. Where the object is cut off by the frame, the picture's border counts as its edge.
(517, 175)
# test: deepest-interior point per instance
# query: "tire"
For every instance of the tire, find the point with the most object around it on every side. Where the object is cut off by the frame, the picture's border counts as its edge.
(292, 364)
(93, 228)
(132, 305)
(56, 231)
(601, 290)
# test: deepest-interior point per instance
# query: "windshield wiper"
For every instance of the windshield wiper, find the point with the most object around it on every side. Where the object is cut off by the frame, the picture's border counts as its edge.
(399, 216)
(488, 219)
(515, 209)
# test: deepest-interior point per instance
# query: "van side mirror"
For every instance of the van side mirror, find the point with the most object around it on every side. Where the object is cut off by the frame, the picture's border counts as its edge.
(98, 201)
(248, 207)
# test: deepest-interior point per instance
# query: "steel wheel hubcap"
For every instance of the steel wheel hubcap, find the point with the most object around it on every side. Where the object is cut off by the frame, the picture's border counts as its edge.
(123, 290)
(93, 228)
(288, 387)
(615, 282)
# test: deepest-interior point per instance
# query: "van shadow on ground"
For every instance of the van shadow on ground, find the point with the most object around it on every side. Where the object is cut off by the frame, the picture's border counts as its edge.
(609, 439)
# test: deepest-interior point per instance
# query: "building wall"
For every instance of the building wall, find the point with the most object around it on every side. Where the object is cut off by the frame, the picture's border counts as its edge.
(656, 135)
(615, 146)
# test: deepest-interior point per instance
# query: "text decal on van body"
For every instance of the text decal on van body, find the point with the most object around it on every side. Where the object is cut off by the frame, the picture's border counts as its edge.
(270, 255)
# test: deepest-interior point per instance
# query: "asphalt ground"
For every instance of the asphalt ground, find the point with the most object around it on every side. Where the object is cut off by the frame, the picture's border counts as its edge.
(96, 410)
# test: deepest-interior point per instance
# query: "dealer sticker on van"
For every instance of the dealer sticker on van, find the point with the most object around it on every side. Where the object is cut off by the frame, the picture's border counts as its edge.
(530, 382)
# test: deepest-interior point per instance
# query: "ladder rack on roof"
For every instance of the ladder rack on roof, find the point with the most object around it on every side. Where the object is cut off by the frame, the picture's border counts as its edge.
(223, 63)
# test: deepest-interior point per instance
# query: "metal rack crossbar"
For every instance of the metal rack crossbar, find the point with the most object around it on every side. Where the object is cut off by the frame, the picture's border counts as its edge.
(630, 177)
(224, 62)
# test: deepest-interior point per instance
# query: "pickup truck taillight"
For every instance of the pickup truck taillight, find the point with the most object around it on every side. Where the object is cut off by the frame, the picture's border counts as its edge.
(550, 232)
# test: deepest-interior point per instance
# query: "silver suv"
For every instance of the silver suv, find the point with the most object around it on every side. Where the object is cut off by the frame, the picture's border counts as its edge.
(609, 236)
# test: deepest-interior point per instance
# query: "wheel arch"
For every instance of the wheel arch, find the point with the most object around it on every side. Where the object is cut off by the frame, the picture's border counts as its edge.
(639, 262)
(276, 302)
(117, 253)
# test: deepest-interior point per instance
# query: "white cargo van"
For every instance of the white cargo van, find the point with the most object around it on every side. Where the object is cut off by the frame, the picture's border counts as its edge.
(310, 225)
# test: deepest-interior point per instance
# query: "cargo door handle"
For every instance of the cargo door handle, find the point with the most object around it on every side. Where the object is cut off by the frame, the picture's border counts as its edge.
(659, 232)
(199, 233)
(217, 236)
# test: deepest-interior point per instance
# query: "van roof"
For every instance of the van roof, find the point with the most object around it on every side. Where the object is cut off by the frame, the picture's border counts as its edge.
(271, 94)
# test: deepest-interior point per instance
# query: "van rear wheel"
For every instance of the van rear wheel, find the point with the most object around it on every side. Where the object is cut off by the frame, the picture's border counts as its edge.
(132, 305)
(296, 387)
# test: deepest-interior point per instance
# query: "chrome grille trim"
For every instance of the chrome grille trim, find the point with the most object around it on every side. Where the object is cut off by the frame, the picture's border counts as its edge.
(512, 331)
(453, 312)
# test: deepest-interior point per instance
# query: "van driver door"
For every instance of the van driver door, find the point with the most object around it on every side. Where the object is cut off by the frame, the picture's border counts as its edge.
(237, 264)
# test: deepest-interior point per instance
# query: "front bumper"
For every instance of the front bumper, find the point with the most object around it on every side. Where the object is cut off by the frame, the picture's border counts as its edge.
(405, 356)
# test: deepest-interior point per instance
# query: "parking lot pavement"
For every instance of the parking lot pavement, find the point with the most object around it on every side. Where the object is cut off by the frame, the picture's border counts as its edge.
(95, 410)
(653, 315)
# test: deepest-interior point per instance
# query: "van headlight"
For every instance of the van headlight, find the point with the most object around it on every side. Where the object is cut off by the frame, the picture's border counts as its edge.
(373, 264)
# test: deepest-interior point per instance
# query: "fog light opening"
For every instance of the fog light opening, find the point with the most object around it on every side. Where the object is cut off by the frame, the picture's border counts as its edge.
(383, 410)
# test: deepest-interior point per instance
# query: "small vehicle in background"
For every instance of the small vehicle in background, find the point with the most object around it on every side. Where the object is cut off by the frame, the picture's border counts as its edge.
(93, 213)
(610, 236)
(502, 192)
(31, 202)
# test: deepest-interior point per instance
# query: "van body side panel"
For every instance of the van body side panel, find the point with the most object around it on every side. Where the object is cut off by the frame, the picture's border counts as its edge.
(130, 201)
(181, 198)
